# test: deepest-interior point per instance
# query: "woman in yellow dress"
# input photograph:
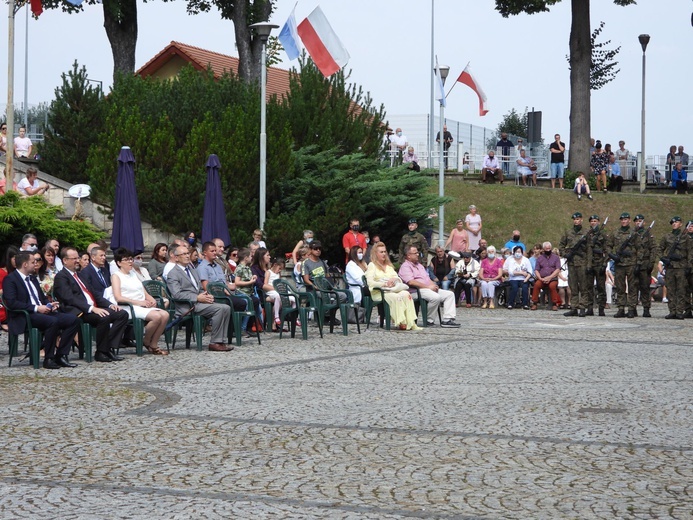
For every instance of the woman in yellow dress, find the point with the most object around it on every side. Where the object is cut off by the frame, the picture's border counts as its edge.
(381, 275)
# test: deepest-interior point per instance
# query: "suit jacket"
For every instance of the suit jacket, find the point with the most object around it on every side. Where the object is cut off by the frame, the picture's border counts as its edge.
(182, 288)
(70, 295)
(17, 297)
(91, 279)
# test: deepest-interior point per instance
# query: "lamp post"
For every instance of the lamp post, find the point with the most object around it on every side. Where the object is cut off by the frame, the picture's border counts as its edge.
(644, 39)
(9, 157)
(263, 30)
(443, 69)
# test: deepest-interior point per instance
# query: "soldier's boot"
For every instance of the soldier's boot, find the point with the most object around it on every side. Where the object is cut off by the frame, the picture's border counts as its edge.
(571, 312)
(688, 314)
(620, 314)
(679, 317)
(646, 313)
(631, 313)
(601, 311)
(590, 311)
(582, 313)
(670, 316)
(635, 312)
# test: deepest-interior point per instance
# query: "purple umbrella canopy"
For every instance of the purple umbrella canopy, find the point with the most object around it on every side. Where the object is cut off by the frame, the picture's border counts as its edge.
(127, 225)
(214, 223)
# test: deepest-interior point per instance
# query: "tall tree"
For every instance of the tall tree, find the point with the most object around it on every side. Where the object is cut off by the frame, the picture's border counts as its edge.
(514, 123)
(580, 63)
(242, 13)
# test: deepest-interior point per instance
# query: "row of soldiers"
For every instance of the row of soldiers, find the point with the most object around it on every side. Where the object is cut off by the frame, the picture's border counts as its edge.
(635, 253)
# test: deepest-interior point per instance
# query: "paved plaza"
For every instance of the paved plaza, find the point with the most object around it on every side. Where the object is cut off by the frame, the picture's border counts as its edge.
(518, 414)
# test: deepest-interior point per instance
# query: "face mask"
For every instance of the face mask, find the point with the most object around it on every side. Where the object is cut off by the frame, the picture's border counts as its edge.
(516, 238)
(399, 134)
(506, 257)
(547, 253)
(518, 255)
(491, 256)
(137, 262)
(359, 256)
(368, 241)
(309, 240)
(191, 241)
(33, 248)
(355, 228)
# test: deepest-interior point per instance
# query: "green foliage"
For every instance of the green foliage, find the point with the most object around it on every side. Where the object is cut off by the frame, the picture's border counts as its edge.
(328, 113)
(20, 215)
(570, 176)
(327, 189)
(75, 119)
(603, 64)
(514, 124)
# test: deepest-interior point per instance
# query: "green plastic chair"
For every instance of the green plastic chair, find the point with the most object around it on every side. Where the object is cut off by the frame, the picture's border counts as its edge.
(384, 313)
(159, 291)
(138, 329)
(221, 295)
(329, 301)
(34, 334)
(305, 303)
(419, 302)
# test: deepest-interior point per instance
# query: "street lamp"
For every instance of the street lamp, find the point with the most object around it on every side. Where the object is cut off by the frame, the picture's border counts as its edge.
(644, 39)
(443, 70)
(263, 30)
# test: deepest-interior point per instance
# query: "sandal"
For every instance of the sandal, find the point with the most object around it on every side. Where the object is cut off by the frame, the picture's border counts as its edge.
(156, 351)
(4, 327)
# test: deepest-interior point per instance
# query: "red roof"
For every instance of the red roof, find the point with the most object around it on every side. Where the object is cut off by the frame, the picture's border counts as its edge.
(277, 79)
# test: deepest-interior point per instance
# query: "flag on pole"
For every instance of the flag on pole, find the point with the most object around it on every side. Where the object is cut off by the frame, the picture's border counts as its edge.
(36, 7)
(440, 91)
(469, 80)
(288, 37)
(322, 43)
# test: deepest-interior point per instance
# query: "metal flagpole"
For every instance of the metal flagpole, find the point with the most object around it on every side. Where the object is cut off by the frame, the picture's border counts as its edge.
(9, 158)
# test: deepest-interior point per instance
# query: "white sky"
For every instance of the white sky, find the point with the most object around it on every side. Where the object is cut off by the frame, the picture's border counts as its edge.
(518, 61)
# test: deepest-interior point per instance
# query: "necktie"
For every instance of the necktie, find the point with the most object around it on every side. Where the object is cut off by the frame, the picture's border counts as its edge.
(87, 294)
(187, 271)
(32, 291)
(103, 280)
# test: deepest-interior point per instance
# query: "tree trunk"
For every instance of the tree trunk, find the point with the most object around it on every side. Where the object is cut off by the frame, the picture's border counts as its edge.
(580, 60)
(120, 22)
(249, 47)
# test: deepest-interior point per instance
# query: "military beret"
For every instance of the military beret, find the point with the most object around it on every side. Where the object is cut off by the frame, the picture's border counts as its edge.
(689, 223)
(675, 219)
(624, 215)
(639, 217)
(577, 214)
(412, 221)
(594, 217)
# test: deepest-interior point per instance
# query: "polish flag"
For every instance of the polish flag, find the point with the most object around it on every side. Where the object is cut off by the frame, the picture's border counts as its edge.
(36, 7)
(322, 43)
(467, 78)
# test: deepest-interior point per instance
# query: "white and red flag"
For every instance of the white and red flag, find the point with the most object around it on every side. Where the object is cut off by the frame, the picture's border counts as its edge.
(322, 43)
(468, 79)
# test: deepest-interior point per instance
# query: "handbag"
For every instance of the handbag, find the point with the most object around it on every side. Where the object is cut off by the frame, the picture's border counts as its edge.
(398, 287)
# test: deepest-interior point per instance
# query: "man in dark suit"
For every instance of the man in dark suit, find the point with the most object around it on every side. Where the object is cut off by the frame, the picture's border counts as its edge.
(90, 307)
(22, 292)
(184, 284)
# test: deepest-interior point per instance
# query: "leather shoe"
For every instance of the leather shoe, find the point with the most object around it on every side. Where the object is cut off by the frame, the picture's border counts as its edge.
(128, 343)
(572, 312)
(50, 364)
(589, 311)
(218, 347)
(64, 362)
(113, 356)
(102, 357)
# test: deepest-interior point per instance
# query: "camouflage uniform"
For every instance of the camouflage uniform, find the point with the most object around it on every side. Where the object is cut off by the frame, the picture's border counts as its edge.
(677, 254)
(689, 280)
(597, 270)
(622, 248)
(578, 251)
(415, 239)
(647, 261)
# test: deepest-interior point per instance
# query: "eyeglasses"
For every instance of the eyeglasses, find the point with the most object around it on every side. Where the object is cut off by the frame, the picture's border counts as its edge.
(39, 259)
(128, 259)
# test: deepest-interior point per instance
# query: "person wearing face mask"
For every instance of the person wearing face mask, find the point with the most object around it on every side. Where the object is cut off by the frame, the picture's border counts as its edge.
(191, 240)
(353, 238)
(355, 271)
(490, 274)
(398, 144)
(491, 168)
(596, 271)
(412, 238)
(515, 241)
(518, 270)
(411, 159)
(546, 270)
(303, 243)
(577, 249)
(29, 243)
(138, 268)
(647, 262)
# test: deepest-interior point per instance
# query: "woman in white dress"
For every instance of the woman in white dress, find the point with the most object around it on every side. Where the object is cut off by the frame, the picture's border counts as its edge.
(128, 288)
(473, 223)
(355, 271)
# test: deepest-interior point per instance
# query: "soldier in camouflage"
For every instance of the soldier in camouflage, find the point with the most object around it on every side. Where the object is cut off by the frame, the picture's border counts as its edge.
(622, 247)
(413, 239)
(647, 261)
(676, 254)
(689, 278)
(575, 247)
(596, 271)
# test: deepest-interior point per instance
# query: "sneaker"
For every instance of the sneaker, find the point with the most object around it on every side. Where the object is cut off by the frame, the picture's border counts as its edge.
(510, 306)
(665, 300)
(449, 324)
(589, 197)
(579, 197)
(430, 323)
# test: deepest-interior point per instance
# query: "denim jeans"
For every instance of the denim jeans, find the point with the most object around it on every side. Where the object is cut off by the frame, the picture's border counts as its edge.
(557, 170)
(514, 287)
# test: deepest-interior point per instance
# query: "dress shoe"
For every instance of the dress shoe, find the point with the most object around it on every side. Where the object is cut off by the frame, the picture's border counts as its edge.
(582, 313)
(128, 343)
(589, 312)
(50, 364)
(620, 314)
(64, 362)
(218, 347)
(631, 314)
(646, 313)
(601, 311)
(113, 357)
(571, 312)
(102, 357)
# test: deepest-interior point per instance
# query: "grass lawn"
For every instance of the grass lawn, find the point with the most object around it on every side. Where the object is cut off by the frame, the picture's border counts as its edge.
(543, 214)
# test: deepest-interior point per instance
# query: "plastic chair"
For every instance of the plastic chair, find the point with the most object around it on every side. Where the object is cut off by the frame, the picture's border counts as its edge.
(326, 289)
(193, 322)
(221, 295)
(34, 334)
(305, 303)
(267, 307)
(138, 328)
(366, 299)
(383, 309)
(419, 302)
(158, 290)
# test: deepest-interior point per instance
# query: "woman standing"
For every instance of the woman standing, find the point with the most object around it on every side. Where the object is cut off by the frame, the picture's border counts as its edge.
(355, 271)
(381, 275)
(671, 162)
(473, 223)
(599, 163)
(158, 261)
(458, 240)
(490, 275)
(127, 288)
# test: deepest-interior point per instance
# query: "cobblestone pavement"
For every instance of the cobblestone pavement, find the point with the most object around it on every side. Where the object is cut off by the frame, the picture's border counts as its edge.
(518, 414)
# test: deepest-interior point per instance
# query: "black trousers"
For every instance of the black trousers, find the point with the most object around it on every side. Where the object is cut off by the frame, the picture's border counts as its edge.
(56, 325)
(109, 329)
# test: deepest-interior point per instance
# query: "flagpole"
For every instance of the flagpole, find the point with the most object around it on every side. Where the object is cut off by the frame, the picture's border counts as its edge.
(431, 134)
(455, 83)
(9, 157)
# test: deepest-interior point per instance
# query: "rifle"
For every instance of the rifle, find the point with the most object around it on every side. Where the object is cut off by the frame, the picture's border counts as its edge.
(622, 250)
(666, 261)
(579, 244)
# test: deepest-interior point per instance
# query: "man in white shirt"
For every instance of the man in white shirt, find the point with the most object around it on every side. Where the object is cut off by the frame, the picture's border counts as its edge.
(398, 143)
(491, 167)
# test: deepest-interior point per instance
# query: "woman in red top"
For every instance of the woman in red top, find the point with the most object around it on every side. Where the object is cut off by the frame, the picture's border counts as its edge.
(9, 267)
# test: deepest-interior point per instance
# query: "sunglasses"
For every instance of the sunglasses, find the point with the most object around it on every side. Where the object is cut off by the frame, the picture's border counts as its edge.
(316, 248)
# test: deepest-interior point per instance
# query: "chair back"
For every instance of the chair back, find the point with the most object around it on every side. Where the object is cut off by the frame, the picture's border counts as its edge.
(218, 290)
(284, 290)
(157, 290)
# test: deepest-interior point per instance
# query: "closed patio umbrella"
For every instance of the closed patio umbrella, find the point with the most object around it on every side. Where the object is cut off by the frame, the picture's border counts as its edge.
(214, 223)
(127, 225)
